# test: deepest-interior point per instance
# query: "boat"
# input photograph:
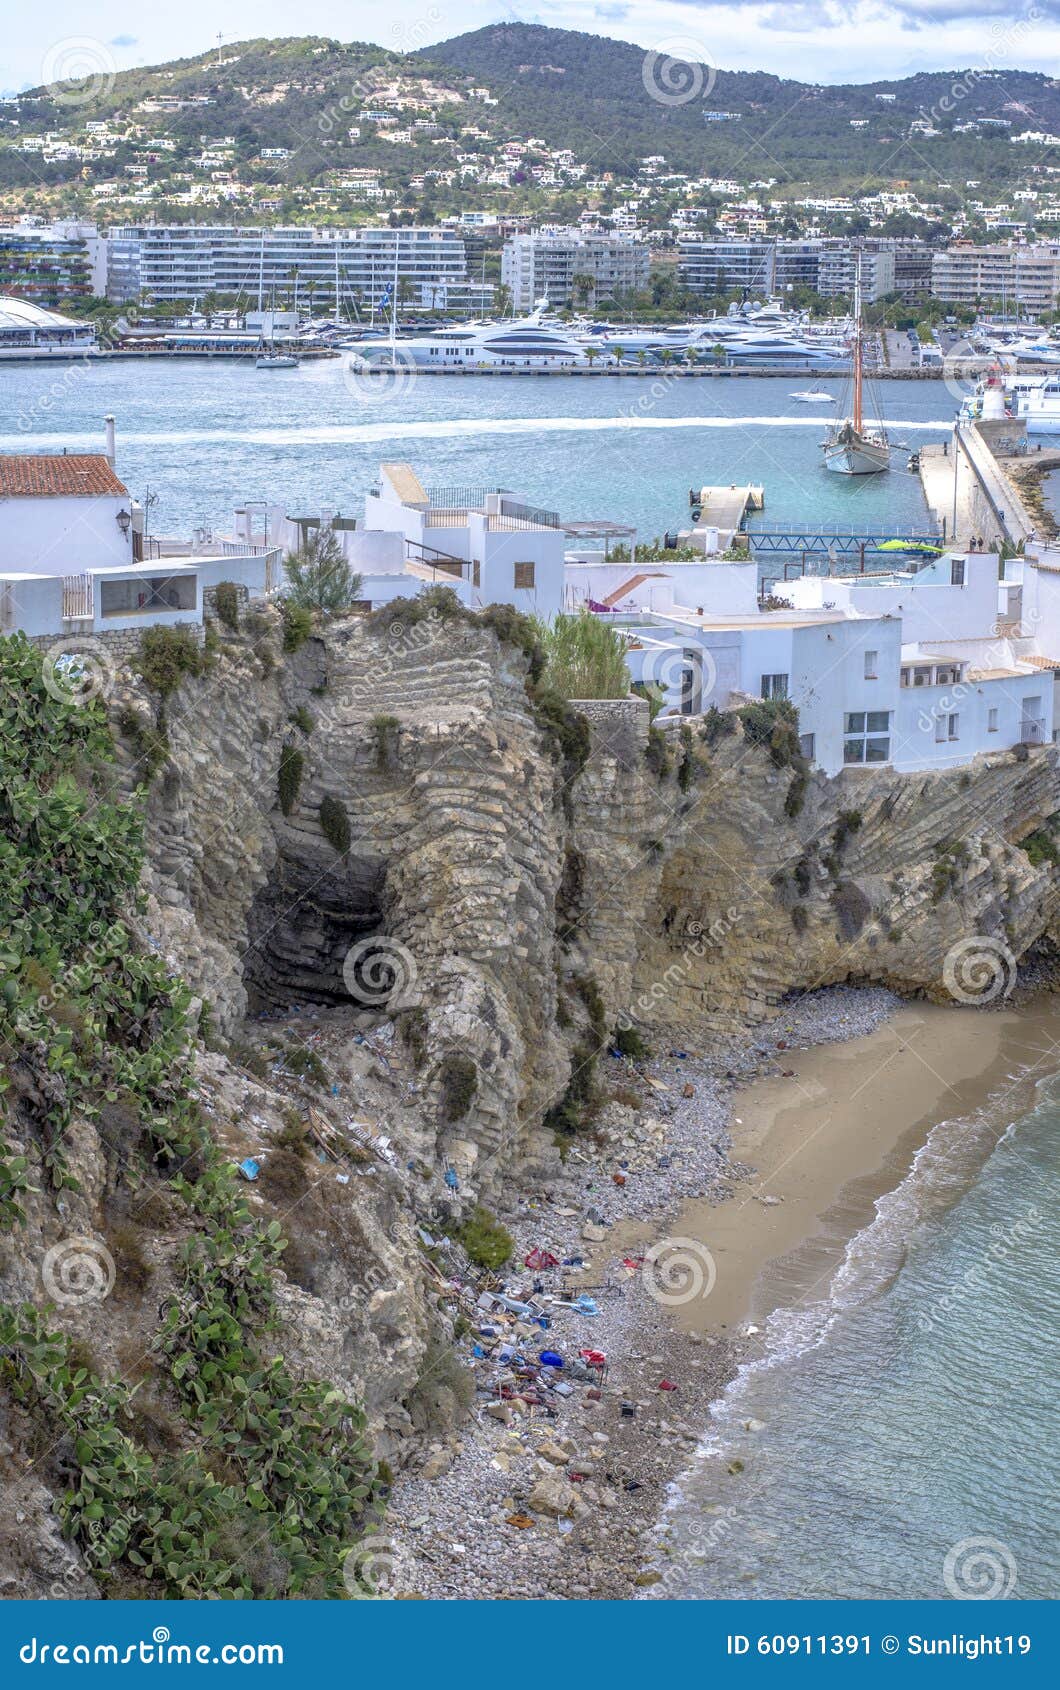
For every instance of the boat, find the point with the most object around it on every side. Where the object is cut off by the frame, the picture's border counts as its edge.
(1038, 404)
(275, 361)
(852, 446)
(529, 342)
(811, 398)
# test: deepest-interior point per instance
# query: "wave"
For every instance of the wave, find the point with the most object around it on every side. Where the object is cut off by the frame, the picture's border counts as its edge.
(349, 434)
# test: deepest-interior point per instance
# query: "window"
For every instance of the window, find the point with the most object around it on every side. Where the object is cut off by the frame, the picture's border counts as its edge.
(524, 575)
(867, 736)
(807, 746)
(957, 572)
(871, 665)
(991, 721)
(947, 726)
(774, 686)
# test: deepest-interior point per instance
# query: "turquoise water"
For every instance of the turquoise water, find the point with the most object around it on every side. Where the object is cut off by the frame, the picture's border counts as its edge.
(911, 1409)
(204, 437)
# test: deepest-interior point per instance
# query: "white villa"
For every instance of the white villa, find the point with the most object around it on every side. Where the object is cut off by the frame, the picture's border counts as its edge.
(916, 668)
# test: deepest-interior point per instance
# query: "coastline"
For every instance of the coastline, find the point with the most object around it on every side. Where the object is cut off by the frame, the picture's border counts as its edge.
(779, 1187)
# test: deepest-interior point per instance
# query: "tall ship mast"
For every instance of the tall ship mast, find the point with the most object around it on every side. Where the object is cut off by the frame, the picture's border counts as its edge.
(852, 447)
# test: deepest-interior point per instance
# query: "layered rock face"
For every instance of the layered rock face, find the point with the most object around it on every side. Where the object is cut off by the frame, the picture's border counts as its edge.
(506, 911)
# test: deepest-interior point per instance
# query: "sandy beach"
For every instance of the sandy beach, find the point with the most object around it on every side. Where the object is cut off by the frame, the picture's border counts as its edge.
(826, 1139)
(802, 1136)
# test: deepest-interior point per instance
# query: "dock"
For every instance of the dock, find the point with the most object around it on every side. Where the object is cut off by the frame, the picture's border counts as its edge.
(725, 508)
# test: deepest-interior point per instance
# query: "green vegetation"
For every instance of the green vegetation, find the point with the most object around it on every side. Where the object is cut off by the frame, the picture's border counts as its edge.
(289, 777)
(1041, 846)
(657, 753)
(487, 1242)
(226, 599)
(774, 723)
(273, 1482)
(628, 1041)
(458, 1080)
(319, 578)
(297, 625)
(335, 823)
(951, 857)
(385, 731)
(150, 742)
(584, 657)
(303, 719)
(166, 656)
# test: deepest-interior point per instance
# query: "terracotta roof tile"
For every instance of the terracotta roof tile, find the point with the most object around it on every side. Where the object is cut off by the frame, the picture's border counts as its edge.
(57, 475)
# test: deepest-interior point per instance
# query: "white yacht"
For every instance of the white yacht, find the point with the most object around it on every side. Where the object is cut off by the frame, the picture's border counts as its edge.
(1038, 402)
(530, 342)
(854, 446)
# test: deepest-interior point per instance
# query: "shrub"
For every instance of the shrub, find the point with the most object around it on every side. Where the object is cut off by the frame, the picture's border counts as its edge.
(318, 576)
(289, 777)
(303, 719)
(657, 753)
(487, 1242)
(335, 823)
(458, 1080)
(717, 725)
(848, 822)
(795, 797)
(774, 723)
(1040, 847)
(517, 629)
(628, 1041)
(297, 625)
(584, 657)
(226, 599)
(385, 731)
(567, 729)
(166, 656)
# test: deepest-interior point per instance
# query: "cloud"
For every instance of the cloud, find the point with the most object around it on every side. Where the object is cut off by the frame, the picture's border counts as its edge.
(803, 18)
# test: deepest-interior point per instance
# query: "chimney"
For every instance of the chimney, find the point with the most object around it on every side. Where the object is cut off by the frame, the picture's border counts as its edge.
(108, 424)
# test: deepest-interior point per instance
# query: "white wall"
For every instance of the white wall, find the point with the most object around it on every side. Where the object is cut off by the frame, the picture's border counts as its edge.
(63, 536)
(717, 589)
(930, 608)
(921, 711)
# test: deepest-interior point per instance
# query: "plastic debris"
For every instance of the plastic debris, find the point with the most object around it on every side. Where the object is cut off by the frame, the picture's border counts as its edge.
(250, 1169)
(451, 1180)
(550, 1358)
(667, 1385)
(540, 1259)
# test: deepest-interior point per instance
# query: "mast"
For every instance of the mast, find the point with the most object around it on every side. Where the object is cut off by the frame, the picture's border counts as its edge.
(393, 300)
(856, 419)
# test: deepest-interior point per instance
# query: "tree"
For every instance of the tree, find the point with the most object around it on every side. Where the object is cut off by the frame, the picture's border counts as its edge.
(319, 578)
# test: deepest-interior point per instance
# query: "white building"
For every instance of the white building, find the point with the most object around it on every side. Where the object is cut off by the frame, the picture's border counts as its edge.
(544, 263)
(29, 332)
(504, 550)
(329, 266)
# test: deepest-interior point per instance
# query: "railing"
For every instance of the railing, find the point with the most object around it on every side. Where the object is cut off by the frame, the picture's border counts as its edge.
(525, 516)
(442, 563)
(460, 498)
(78, 602)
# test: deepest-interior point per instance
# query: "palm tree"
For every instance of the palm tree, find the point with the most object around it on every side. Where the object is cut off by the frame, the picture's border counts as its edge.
(618, 353)
(642, 357)
(591, 354)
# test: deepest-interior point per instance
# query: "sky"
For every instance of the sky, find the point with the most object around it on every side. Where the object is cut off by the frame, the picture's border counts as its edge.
(811, 40)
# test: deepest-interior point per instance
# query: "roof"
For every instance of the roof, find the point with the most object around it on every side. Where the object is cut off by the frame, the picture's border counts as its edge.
(405, 483)
(23, 314)
(58, 475)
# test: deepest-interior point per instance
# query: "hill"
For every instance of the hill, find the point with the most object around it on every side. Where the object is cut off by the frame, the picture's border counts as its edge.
(313, 129)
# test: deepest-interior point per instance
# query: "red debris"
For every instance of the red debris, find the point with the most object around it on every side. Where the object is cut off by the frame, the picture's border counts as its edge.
(666, 1385)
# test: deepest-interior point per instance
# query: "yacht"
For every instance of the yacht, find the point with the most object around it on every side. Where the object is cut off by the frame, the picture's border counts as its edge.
(811, 397)
(530, 342)
(1038, 402)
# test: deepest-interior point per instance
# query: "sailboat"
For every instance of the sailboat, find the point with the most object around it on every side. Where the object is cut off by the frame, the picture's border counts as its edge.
(852, 448)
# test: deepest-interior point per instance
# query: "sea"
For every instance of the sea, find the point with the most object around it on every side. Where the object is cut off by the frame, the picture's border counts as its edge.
(894, 1434)
(202, 437)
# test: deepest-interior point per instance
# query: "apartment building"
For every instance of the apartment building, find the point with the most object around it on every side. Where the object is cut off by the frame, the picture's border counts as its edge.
(48, 263)
(761, 266)
(546, 262)
(327, 266)
(1027, 276)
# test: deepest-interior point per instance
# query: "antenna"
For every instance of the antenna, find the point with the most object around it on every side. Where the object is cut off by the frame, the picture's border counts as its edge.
(220, 38)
